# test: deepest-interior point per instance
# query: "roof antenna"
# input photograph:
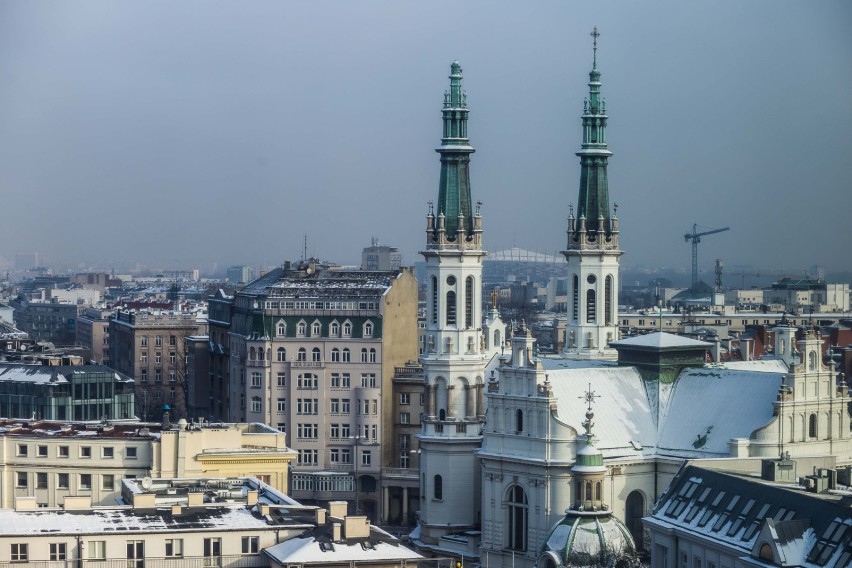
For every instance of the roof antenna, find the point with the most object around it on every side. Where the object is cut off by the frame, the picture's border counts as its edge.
(305, 248)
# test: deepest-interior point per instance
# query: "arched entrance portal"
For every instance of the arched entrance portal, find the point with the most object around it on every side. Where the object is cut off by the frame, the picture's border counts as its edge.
(635, 510)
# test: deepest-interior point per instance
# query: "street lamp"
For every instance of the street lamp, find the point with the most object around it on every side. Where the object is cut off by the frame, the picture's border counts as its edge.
(357, 438)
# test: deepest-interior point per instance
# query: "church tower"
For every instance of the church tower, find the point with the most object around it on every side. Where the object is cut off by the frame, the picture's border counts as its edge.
(455, 355)
(592, 252)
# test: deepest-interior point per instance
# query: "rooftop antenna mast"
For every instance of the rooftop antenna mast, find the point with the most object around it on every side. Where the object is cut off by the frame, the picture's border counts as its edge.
(305, 248)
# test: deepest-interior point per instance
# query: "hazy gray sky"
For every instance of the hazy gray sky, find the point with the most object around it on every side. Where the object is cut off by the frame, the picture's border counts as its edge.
(183, 133)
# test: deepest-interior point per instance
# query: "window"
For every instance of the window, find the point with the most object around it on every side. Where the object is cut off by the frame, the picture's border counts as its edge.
(434, 300)
(302, 329)
(282, 405)
(334, 329)
(85, 451)
(158, 357)
(108, 482)
(334, 456)
(158, 375)
(468, 302)
(346, 355)
(334, 432)
(590, 306)
(368, 329)
(335, 406)
(256, 380)
(256, 405)
(363, 355)
(21, 479)
(335, 380)
(316, 356)
(250, 545)
(86, 481)
(307, 381)
(518, 515)
(144, 359)
(62, 480)
(307, 431)
(20, 552)
(372, 355)
(404, 460)
(97, 549)
(282, 379)
(519, 421)
(41, 480)
(22, 450)
(438, 488)
(130, 453)
(282, 329)
(108, 452)
(144, 375)
(302, 355)
(451, 308)
(41, 451)
(335, 355)
(143, 341)
(316, 329)
(172, 340)
(575, 293)
(345, 432)
(172, 375)
(345, 380)
(172, 358)
(345, 456)
(307, 406)
(405, 418)
(135, 553)
(405, 398)
(366, 457)
(58, 551)
(812, 426)
(282, 355)
(608, 315)
(212, 551)
(347, 329)
(174, 547)
(344, 406)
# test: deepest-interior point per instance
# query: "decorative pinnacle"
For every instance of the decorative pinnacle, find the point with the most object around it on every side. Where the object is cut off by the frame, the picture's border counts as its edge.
(595, 35)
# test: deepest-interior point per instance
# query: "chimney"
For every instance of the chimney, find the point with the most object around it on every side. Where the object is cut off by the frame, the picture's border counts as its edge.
(320, 517)
(336, 532)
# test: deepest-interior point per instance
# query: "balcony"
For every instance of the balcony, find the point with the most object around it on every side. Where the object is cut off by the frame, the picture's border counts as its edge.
(307, 364)
(452, 429)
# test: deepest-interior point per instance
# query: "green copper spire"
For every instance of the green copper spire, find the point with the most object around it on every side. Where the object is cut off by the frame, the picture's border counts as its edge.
(593, 203)
(455, 150)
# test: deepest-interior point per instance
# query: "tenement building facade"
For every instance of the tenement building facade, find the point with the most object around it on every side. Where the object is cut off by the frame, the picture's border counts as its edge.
(312, 351)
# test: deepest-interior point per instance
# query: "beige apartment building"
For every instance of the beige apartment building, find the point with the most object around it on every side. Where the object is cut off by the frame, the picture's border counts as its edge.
(149, 347)
(312, 350)
(93, 334)
(50, 462)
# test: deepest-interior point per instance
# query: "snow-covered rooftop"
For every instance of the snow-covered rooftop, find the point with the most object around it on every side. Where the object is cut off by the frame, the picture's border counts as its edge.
(660, 339)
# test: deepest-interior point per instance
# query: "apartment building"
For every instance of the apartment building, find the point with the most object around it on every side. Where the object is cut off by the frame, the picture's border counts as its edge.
(93, 334)
(51, 462)
(312, 350)
(149, 347)
(233, 522)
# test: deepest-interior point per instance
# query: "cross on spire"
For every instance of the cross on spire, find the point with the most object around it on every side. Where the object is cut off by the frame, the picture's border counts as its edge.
(595, 35)
(589, 396)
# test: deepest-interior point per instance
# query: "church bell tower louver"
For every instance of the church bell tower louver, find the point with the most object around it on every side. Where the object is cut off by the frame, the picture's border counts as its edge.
(592, 252)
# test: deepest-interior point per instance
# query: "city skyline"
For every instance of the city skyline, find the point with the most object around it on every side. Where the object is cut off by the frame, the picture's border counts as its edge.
(204, 133)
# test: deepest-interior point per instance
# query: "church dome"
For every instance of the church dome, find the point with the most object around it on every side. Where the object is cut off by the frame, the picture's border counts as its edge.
(586, 539)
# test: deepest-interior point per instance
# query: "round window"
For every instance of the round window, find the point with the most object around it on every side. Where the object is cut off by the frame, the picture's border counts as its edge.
(451, 280)
(591, 279)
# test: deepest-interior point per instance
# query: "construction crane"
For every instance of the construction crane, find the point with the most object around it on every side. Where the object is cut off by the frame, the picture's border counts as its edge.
(695, 236)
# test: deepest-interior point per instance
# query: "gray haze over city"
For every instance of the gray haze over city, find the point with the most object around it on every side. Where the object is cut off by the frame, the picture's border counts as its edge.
(179, 134)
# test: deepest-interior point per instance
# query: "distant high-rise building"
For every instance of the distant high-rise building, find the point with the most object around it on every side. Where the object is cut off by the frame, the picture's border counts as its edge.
(26, 260)
(239, 275)
(380, 257)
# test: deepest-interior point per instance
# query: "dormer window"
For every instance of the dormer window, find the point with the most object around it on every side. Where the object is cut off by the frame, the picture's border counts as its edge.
(281, 329)
(302, 329)
(347, 329)
(316, 328)
(334, 329)
(368, 329)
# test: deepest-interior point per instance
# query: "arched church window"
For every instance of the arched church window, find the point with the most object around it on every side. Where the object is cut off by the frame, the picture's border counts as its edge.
(438, 488)
(451, 308)
(597, 491)
(812, 426)
(518, 512)
(519, 420)
(812, 365)
(468, 302)
(434, 300)
(575, 291)
(590, 306)
(608, 300)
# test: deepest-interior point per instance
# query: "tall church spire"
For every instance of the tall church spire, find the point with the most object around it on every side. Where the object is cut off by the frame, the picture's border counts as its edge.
(593, 202)
(592, 252)
(454, 201)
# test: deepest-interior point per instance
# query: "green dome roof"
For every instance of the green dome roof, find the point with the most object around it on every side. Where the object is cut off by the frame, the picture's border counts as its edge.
(585, 539)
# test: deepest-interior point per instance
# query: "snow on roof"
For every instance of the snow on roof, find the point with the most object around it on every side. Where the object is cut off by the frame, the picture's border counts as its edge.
(710, 406)
(308, 550)
(759, 365)
(124, 520)
(622, 413)
(660, 339)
